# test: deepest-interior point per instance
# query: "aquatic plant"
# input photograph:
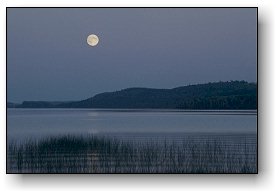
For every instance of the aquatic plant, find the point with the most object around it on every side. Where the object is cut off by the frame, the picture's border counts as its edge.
(102, 154)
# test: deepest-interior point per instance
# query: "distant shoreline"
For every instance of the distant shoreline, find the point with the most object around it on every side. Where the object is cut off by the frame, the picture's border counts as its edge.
(143, 109)
(233, 95)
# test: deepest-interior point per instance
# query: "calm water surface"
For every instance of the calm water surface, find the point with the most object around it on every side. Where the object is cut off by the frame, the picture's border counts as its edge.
(36, 123)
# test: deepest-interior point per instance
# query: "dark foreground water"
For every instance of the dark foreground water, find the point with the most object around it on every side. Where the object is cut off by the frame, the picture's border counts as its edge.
(131, 141)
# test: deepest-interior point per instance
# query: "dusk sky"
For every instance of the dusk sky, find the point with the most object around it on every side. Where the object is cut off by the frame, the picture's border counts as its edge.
(49, 59)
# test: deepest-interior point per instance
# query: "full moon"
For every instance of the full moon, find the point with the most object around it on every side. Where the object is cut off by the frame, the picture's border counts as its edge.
(92, 40)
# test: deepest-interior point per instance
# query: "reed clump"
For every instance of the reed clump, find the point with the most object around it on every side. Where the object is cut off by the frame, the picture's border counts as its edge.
(100, 154)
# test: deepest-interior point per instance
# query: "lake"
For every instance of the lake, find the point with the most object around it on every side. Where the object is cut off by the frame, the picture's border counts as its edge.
(37, 123)
(131, 141)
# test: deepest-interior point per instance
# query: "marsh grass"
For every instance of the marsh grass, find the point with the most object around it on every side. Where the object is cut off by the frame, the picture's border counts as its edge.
(100, 154)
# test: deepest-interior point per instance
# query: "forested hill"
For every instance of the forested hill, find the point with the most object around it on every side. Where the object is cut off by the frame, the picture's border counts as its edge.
(217, 95)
